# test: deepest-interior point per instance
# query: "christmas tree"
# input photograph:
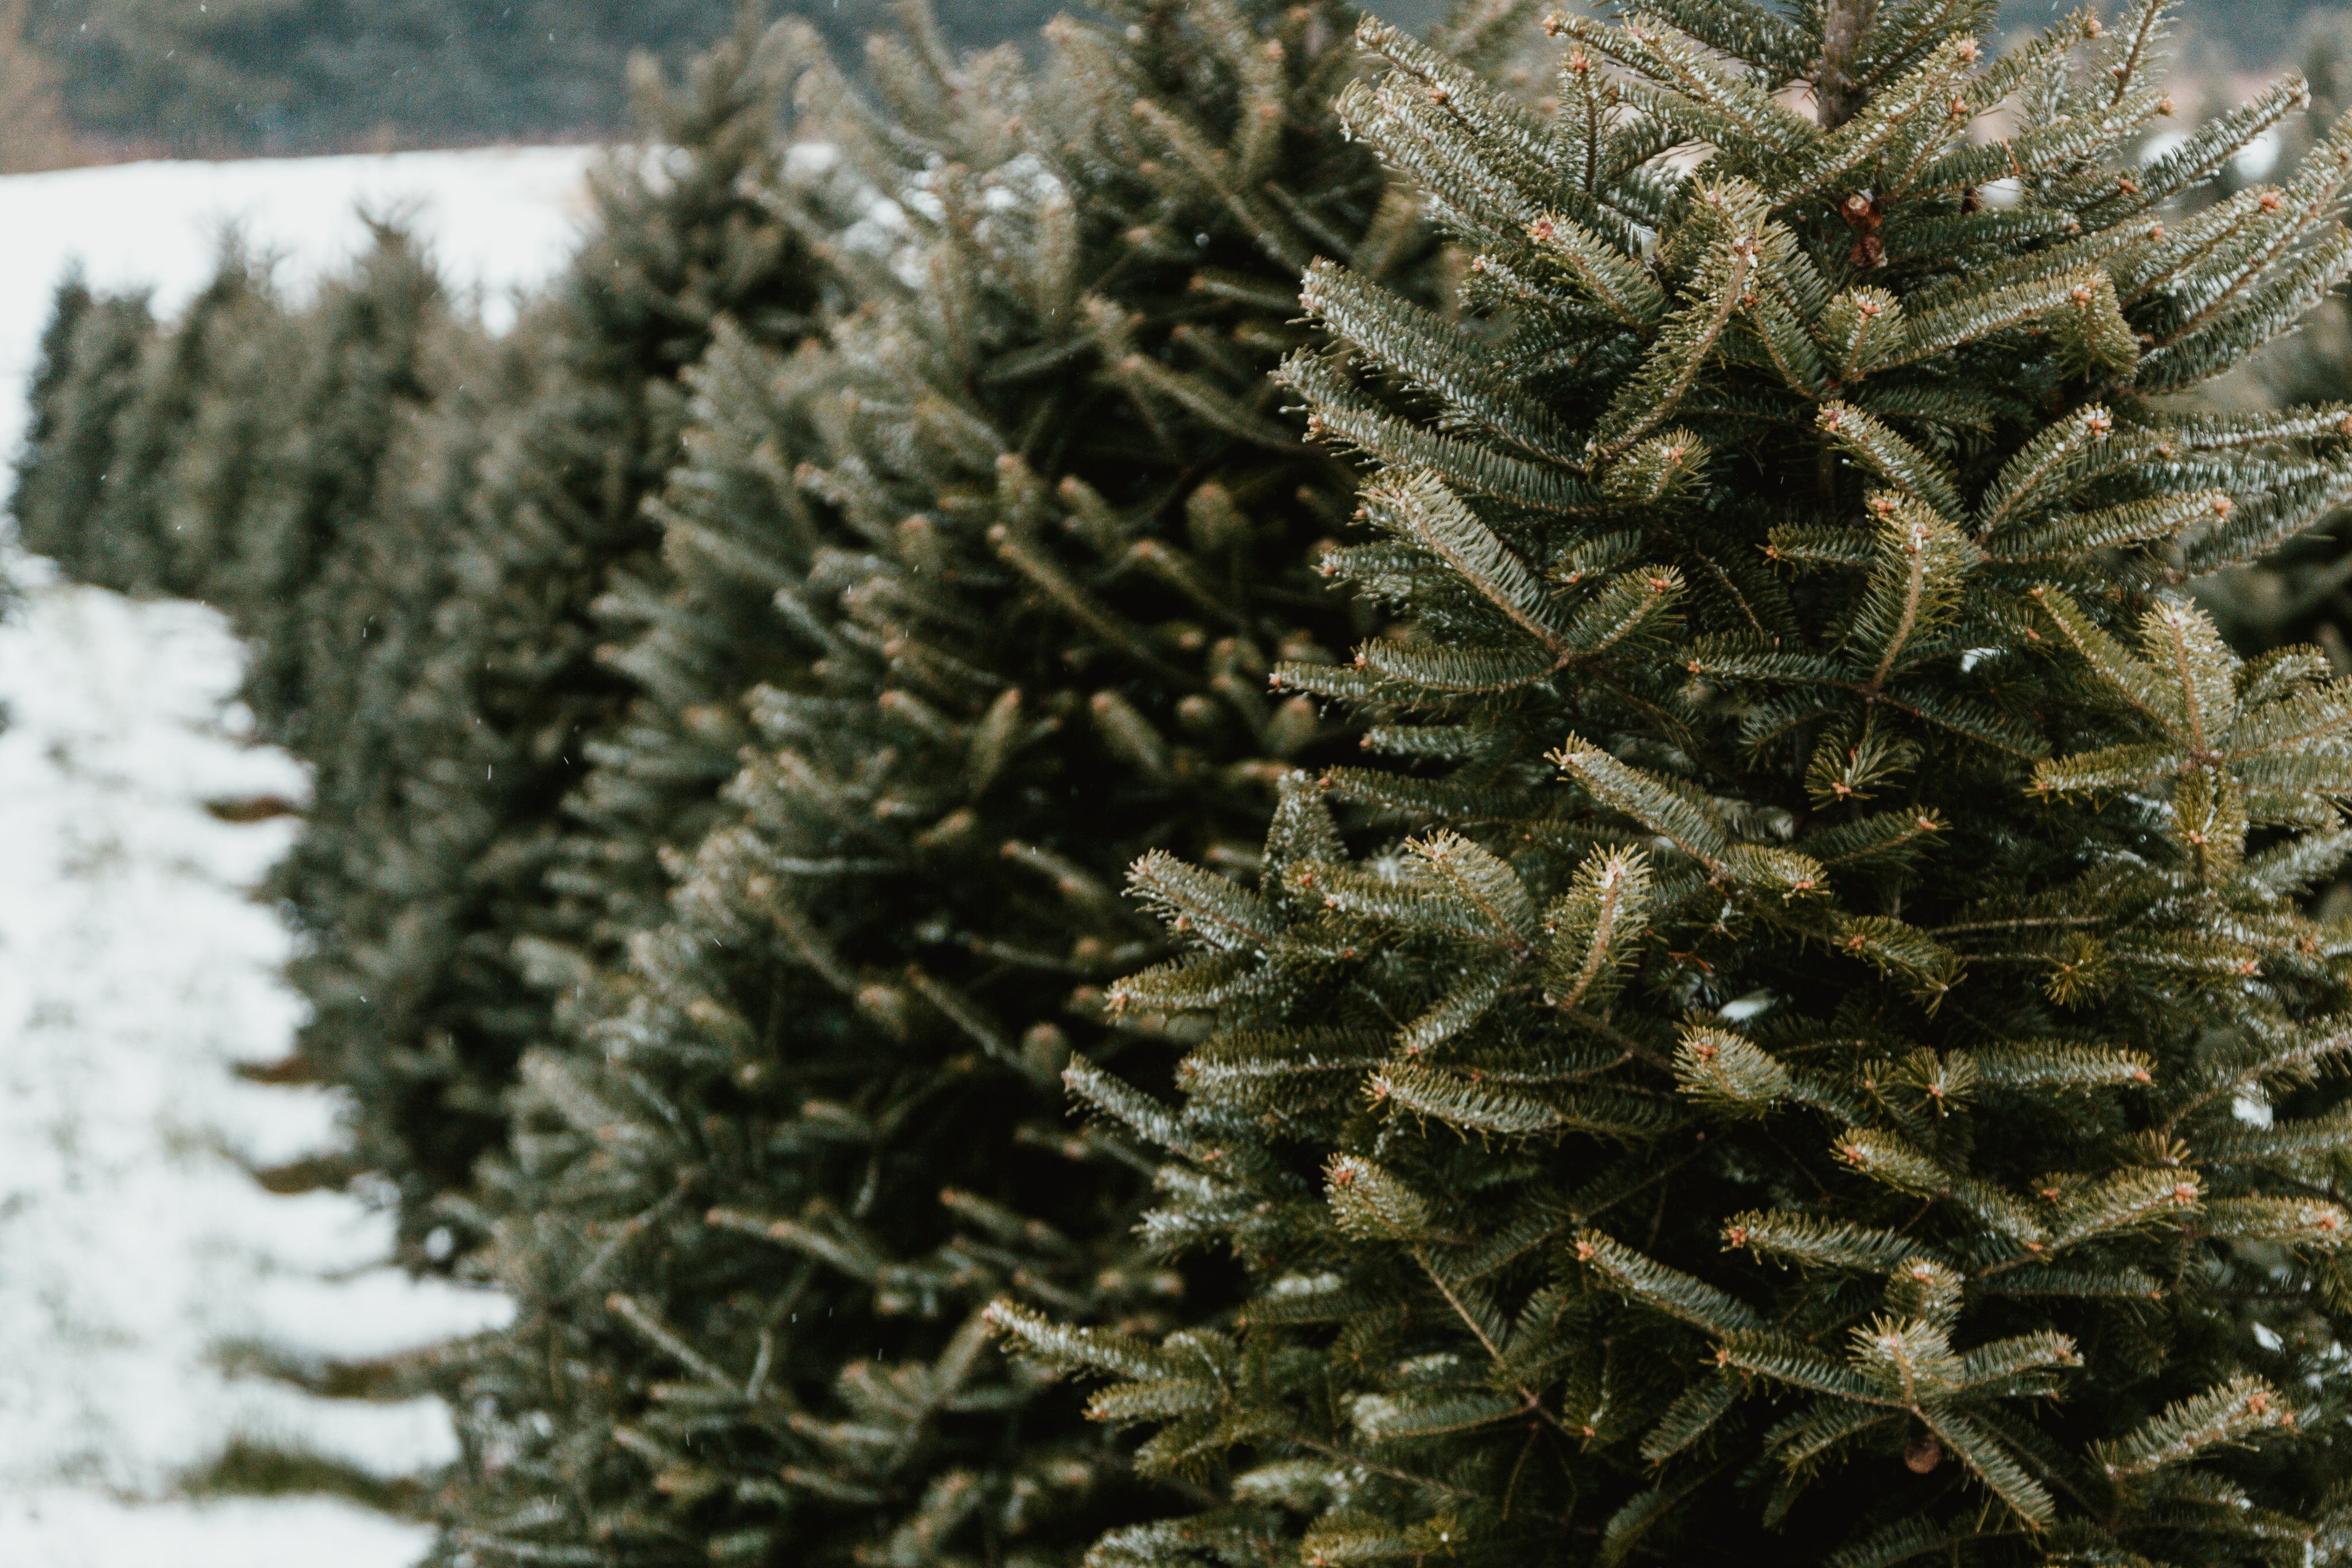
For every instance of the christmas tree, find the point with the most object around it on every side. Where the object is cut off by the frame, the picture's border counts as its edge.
(86, 376)
(418, 1003)
(271, 460)
(1003, 565)
(2296, 595)
(276, 492)
(240, 455)
(227, 454)
(411, 540)
(1809, 1050)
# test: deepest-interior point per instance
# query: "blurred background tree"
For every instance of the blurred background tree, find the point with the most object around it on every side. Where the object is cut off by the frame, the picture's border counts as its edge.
(226, 78)
(240, 76)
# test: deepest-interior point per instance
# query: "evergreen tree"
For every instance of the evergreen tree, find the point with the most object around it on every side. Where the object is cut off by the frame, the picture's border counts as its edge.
(408, 524)
(227, 456)
(1009, 560)
(2298, 594)
(417, 1002)
(356, 883)
(691, 638)
(293, 525)
(1817, 1055)
(87, 375)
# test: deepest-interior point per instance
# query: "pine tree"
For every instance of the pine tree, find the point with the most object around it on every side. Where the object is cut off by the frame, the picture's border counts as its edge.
(1814, 1054)
(251, 454)
(690, 639)
(294, 525)
(237, 454)
(1003, 565)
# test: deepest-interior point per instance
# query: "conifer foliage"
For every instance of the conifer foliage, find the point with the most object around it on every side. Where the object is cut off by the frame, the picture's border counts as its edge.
(419, 1002)
(409, 522)
(232, 455)
(1814, 1054)
(1005, 567)
(2298, 593)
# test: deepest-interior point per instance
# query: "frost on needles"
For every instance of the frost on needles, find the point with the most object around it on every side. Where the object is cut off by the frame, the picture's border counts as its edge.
(1808, 1049)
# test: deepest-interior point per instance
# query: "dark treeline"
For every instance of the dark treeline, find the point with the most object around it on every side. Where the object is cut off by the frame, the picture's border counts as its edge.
(299, 76)
(294, 76)
(274, 76)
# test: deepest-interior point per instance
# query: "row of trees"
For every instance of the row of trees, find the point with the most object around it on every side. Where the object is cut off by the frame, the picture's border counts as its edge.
(247, 76)
(1725, 922)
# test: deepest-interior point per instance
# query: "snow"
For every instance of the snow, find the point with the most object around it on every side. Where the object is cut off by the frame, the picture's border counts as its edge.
(84, 1529)
(135, 967)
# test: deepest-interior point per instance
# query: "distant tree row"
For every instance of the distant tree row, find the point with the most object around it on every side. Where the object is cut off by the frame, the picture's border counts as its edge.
(33, 130)
(226, 76)
(245, 76)
(260, 76)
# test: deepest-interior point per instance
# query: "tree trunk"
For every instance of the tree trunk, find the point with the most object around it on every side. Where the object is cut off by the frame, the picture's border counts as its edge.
(1837, 97)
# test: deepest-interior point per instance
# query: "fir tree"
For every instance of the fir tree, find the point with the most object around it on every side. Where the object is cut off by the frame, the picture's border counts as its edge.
(410, 541)
(234, 455)
(1010, 557)
(292, 482)
(691, 637)
(87, 374)
(418, 1002)
(1818, 1055)
(265, 460)
(2298, 594)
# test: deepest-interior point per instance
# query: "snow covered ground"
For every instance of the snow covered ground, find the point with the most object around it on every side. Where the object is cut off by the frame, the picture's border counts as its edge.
(134, 968)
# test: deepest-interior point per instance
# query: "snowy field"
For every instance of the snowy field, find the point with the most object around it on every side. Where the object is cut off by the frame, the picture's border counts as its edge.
(135, 970)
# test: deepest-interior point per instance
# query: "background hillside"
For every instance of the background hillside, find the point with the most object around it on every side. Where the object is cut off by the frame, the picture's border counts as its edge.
(85, 81)
(231, 76)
